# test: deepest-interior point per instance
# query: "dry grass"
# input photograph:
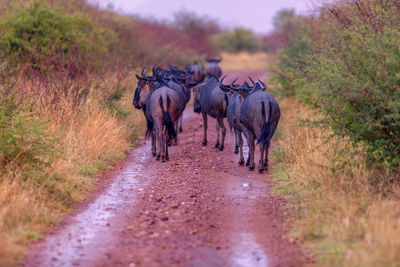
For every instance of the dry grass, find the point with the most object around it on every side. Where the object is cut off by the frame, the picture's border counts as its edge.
(245, 61)
(340, 209)
(89, 137)
(136, 117)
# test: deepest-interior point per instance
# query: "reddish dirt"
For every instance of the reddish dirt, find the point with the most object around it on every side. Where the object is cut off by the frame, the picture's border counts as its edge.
(198, 209)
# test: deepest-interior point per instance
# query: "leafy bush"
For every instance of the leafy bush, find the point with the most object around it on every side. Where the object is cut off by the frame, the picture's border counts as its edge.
(351, 74)
(240, 39)
(48, 39)
(24, 141)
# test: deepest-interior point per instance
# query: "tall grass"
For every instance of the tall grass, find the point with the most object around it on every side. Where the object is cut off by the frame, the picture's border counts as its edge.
(338, 203)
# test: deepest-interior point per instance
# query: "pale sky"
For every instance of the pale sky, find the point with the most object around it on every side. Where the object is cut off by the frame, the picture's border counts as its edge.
(254, 14)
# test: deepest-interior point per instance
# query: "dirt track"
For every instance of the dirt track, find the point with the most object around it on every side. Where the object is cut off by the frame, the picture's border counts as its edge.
(198, 209)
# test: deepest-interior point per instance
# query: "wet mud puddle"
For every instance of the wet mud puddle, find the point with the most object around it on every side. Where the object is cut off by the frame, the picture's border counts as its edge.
(246, 251)
(243, 192)
(87, 239)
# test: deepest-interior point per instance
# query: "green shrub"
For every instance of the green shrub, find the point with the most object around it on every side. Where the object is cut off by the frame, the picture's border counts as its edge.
(48, 38)
(240, 39)
(24, 141)
(351, 74)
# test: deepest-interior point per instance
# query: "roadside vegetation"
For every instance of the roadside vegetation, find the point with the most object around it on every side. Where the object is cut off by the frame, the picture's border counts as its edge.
(337, 153)
(66, 88)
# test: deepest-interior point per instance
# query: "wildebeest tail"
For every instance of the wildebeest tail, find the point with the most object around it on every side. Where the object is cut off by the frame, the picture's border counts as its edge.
(167, 119)
(265, 133)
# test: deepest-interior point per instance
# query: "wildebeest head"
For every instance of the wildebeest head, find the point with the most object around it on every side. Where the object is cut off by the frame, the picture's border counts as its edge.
(229, 89)
(196, 99)
(143, 90)
(245, 89)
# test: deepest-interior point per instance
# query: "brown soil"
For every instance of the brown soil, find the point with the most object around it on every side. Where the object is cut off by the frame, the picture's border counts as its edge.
(198, 209)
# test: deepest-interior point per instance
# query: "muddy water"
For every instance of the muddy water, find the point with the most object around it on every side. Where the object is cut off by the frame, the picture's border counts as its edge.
(246, 252)
(79, 242)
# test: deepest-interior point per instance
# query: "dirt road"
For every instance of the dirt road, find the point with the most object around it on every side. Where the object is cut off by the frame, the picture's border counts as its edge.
(198, 209)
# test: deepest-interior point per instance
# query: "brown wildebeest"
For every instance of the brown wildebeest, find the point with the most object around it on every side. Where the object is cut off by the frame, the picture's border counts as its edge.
(158, 117)
(213, 69)
(163, 110)
(196, 72)
(259, 114)
(210, 100)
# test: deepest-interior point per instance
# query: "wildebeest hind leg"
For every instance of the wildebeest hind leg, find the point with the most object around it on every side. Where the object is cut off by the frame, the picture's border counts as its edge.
(261, 162)
(159, 143)
(236, 150)
(222, 125)
(217, 130)
(251, 151)
(166, 150)
(153, 144)
(266, 156)
(181, 123)
(241, 158)
(205, 128)
(163, 143)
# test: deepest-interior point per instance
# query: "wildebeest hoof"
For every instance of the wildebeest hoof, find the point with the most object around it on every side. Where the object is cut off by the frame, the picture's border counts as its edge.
(166, 158)
(221, 148)
(180, 130)
(251, 168)
(216, 145)
(247, 163)
(154, 154)
(241, 162)
(158, 157)
(204, 142)
(260, 170)
(236, 151)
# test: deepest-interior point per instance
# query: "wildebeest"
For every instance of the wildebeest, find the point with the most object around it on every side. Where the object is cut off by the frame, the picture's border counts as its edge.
(259, 114)
(196, 72)
(163, 110)
(233, 116)
(210, 100)
(176, 80)
(162, 107)
(213, 69)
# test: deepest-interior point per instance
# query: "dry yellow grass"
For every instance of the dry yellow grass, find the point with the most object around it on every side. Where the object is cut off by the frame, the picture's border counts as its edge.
(136, 117)
(339, 210)
(89, 136)
(245, 61)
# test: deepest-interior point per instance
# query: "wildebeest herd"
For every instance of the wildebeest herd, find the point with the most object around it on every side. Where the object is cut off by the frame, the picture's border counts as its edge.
(249, 109)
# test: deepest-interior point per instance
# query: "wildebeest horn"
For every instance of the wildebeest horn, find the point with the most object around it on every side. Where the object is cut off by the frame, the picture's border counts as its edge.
(253, 83)
(233, 83)
(263, 84)
(223, 79)
(143, 70)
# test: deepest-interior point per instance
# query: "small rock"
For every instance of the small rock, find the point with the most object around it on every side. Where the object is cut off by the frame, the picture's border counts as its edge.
(154, 235)
(164, 218)
(175, 206)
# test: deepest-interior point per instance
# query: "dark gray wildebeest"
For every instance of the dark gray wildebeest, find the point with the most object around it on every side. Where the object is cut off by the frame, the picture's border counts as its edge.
(197, 74)
(210, 100)
(177, 80)
(233, 116)
(161, 106)
(213, 69)
(259, 114)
